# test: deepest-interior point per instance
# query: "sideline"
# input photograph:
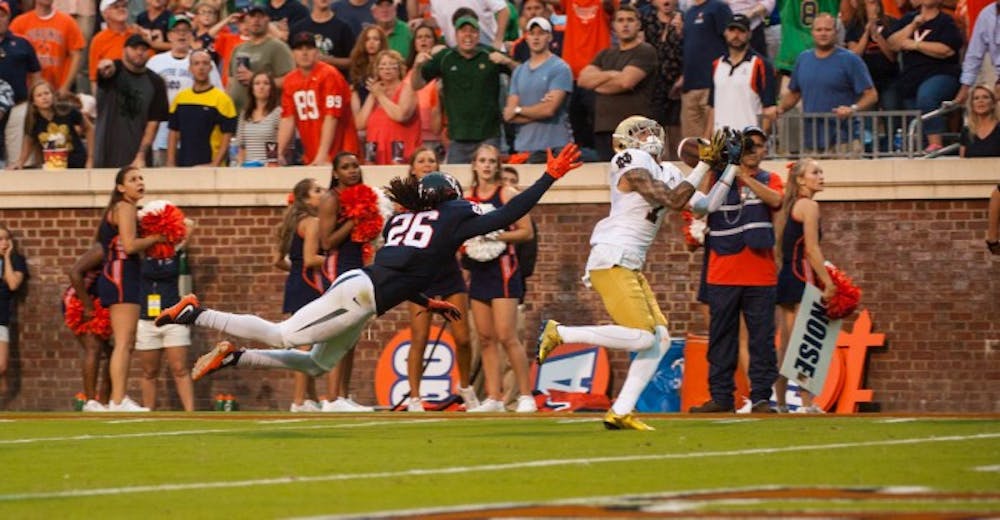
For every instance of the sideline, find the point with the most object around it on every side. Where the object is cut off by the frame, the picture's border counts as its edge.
(12, 497)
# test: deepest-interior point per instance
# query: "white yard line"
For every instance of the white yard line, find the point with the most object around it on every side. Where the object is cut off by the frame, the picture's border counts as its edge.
(477, 469)
(987, 469)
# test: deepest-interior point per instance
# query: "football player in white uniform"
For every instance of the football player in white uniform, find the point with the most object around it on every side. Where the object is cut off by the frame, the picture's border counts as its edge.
(641, 192)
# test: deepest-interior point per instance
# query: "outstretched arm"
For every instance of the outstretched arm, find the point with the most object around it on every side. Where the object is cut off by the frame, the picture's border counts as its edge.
(657, 192)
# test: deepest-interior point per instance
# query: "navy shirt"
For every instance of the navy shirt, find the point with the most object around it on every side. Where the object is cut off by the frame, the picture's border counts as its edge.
(161, 24)
(333, 37)
(918, 66)
(159, 277)
(6, 296)
(703, 41)
(19, 59)
(291, 10)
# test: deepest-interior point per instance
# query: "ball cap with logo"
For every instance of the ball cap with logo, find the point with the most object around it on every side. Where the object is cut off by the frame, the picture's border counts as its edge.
(303, 39)
(739, 21)
(539, 22)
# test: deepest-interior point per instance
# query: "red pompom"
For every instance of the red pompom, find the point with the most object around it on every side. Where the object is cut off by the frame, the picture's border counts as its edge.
(847, 297)
(99, 325)
(160, 217)
(359, 202)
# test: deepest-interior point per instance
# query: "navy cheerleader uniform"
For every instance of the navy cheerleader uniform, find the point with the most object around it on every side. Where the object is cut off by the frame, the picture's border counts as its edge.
(342, 259)
(303, 284)
(795, 268)
(500, 277)
(120, 275)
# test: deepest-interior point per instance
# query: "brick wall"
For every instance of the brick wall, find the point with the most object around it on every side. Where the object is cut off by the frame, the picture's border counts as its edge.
(928, 282)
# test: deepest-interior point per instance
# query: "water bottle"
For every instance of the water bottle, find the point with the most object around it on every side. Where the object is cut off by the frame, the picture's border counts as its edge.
(234, 150)
(220, 402)
(78, 401)
(897, 141)
(185, 285)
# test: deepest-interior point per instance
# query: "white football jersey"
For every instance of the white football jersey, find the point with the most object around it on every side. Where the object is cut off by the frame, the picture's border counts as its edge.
(623, 237)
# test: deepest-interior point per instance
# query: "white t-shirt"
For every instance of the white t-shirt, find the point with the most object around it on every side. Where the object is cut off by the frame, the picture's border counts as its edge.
(176, 73)
(442, 11)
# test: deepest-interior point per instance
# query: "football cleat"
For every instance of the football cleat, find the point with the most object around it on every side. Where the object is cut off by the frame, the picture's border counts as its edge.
(548, 339)
(183, 313)
(223, 355)
(613, 421)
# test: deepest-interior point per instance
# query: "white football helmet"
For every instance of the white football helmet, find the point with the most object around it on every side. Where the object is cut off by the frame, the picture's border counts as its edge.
(639, 132)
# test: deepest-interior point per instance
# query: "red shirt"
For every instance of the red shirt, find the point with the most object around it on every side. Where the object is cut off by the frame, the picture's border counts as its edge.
(588, 31)
(749, 267)
(310, 98)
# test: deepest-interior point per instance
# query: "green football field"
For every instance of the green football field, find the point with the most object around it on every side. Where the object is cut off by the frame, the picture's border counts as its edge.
(251, 465)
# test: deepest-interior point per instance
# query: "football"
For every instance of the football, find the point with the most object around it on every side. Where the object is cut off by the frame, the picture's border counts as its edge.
(687, 151)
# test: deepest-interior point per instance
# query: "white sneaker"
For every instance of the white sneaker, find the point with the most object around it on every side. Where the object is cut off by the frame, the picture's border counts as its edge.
(307, 406)
(526, 404)
(94, 406)
(488, 406)
(468, 395)
(809, 409)
(747, 406)
(414, 404)
(339, 405)
(126, 405)
(358, 407)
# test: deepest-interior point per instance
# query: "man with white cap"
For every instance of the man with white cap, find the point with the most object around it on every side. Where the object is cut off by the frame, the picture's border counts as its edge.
(109, 42)
(539, 92)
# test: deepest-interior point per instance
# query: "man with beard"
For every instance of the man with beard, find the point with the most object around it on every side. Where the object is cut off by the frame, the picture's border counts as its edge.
(262, 53)
(131, 101)
(622, 78)
(743, 83)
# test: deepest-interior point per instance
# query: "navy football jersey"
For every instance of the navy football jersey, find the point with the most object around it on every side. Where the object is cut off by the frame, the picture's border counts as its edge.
(417, 244)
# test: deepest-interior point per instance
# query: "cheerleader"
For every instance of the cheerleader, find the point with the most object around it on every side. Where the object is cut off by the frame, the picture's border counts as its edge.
(298, 253)
(448, 285)
(799, 233)
(13, 272)
(496, 286)
(83, 277)
(118, 286)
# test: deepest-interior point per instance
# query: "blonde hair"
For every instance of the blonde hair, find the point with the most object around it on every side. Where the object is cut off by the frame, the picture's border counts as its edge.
(795, 172)
(296, 211)
(397, 57)
(475, 155)
(972, 118)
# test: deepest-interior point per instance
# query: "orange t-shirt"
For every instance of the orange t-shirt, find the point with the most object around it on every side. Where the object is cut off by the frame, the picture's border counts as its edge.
(749, 267)
(309, 99)
(106, 45)
(588, 31)
(53, 38)
(225, 42)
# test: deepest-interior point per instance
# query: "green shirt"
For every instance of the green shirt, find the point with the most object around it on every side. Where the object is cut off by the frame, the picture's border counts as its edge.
(796, 28)
(471, 89)
(399, 38)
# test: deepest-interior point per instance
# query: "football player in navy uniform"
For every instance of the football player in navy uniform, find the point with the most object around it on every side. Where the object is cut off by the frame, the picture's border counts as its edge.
(417, 242)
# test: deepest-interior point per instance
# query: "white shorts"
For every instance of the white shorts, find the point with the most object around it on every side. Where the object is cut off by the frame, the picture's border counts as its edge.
(4, 334)
(150, 337)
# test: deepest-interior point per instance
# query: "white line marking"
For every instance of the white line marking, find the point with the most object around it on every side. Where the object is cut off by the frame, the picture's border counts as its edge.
(209, 431)
(128, 421)
(897, 420)
(201, 486)
(736, 421)
(282, 421)
(994, 468)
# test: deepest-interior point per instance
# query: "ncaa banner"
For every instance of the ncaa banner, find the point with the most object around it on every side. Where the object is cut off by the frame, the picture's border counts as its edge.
(811, 344)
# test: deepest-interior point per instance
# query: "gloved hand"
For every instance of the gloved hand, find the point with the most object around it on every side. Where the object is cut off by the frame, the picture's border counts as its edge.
(734, 147)
(445, 309)
(711, 152)
(568, 159)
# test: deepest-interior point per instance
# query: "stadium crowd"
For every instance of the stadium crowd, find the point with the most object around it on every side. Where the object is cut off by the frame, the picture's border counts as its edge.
(422, 82)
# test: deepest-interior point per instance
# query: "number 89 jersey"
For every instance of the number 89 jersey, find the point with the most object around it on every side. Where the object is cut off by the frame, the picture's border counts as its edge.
(627, 232)
(310, 98)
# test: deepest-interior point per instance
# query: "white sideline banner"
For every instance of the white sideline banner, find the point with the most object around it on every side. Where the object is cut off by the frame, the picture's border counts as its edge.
(812, 343)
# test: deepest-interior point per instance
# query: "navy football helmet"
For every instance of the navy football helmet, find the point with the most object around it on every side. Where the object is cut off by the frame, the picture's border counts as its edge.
(440, 187)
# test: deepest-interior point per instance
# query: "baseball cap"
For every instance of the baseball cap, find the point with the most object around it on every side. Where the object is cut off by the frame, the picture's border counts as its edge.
(5, 8)
(540, 22)
(754, 129)
(136, 40)
(739, 20)
(254, 7)
(108, 3)
(376, 2)
(466, 20)
(179, 18)
(303, 38)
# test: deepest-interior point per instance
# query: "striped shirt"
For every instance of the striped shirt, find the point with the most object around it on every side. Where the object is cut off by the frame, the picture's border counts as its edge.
(254, 136)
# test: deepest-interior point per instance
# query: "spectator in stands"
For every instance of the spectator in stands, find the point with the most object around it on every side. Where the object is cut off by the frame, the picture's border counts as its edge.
(866, 37)
(57, 40)
(743, 83)
(757, 12)
(54, 125)
(663, 28)
(981, 135)
(315, 101)
(704, 24)
(131, 101)
(13, 273)
(622, 78)
(993, 229)
(495, 287)
(206, 16)
(797, 19)
(492, 15)
(588, 31)
(202, 119)
(160, 291)
(156, 22)
(389, 116)
(356, 13)
(829, 79)
(283, 14)
(396, 30)
(83, 276)
(539, 94)
(226, 41)
(370, 41)
(428, 100)
(985, 40)
(257, 129)
(109, 43)
(20, 69)
(334, 38)
(930, 43)
(741, 275)
(262, 53)
(470, 82)
(536, 9)
(174, 66)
